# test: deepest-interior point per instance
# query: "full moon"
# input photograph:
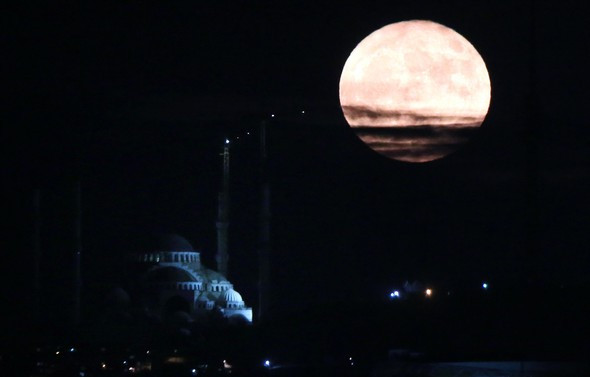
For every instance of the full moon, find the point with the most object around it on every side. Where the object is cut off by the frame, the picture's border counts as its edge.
(414, 90)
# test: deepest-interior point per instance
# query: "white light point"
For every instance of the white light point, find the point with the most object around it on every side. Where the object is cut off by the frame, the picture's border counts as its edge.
(429, 292)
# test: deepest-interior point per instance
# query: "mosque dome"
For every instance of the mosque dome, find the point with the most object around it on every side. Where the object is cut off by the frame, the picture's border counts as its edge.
(118, 296)
(181, 317)
(169, 275)
(171, 242)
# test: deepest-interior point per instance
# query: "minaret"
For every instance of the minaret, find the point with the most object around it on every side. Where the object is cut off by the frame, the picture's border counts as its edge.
(77, 250)
(222, 224)
(264, 246)
(531, 270)
(37, 254)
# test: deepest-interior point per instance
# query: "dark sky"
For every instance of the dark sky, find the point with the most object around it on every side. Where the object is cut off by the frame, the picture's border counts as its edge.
(135, 99)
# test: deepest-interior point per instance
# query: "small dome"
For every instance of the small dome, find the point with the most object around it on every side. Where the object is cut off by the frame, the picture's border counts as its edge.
(118, 296)
(181, 317)
(169, 275)
(231, 296)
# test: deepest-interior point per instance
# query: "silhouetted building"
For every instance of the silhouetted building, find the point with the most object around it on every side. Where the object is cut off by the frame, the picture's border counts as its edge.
(176, 281)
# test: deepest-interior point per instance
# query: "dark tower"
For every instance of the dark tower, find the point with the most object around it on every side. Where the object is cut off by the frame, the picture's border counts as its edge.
(264, 247)
(531, 270)
(222, 224)
(37, 254)
(77, 253)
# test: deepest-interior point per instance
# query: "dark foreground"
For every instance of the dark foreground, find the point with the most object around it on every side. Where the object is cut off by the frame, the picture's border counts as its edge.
(538, 332)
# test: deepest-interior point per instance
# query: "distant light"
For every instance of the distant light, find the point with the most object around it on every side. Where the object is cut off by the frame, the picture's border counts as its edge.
(226, 141)
(194, 372)
(272, 115)
(429, 292)
(147, 352)
(103, 366)
(124, 362)
(394, 294)
(267, 363)
(72, 349)
(302, 111)
(57, 352)
(350, 358)
(131, 369)
(484, 285)
(248, 133)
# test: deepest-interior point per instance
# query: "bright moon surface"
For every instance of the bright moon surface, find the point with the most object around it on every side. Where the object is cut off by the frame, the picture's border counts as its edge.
(414, 90)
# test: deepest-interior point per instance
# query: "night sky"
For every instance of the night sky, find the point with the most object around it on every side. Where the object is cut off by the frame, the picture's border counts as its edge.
(135, 100)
